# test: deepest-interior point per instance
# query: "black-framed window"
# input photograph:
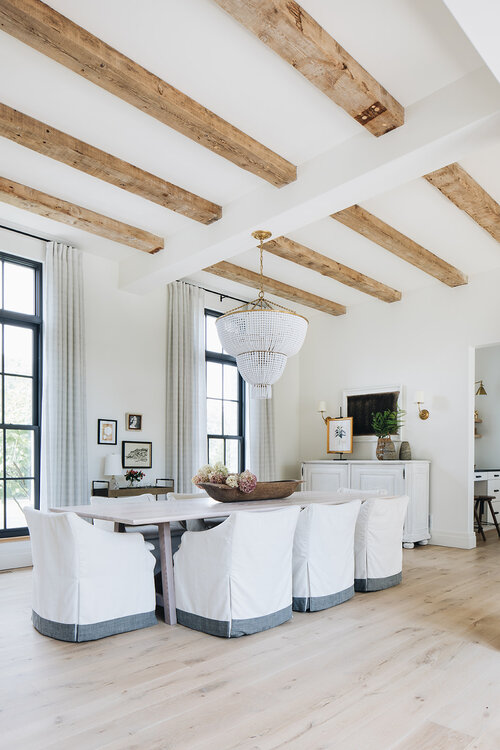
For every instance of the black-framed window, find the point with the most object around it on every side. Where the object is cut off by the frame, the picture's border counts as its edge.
(225, 402)
(20, 390)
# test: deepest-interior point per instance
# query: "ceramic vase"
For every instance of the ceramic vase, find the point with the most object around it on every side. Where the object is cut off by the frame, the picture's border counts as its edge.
(405, 451)
(386, 450)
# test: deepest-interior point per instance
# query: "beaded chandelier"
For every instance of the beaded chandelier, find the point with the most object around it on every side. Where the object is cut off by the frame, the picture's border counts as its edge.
(261, 335)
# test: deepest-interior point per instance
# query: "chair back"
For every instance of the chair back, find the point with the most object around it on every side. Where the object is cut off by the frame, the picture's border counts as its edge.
(379, 536)
(323, 548)
(261, 560)
(55, 562)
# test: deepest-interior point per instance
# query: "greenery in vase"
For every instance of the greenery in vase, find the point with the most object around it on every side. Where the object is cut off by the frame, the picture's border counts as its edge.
(387, 423)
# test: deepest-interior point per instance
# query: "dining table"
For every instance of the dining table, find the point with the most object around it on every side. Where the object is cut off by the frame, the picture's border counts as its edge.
(164, 512)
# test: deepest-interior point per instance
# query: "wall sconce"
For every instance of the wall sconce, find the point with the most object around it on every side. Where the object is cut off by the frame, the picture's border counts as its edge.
(419, 399)
(322, 410)
(481, 391)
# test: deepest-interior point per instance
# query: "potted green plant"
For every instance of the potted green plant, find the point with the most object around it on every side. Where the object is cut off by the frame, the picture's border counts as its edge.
(384, 424)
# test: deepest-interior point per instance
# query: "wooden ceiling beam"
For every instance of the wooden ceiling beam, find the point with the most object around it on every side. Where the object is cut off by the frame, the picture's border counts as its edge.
(250, 278)
(463, 190)
(307, 258)
(56, 36)
(60, 210)
(383, 234)
(48, 141)
(296, 37)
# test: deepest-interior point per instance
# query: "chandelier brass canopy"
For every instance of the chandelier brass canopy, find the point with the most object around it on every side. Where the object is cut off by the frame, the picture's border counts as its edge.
(261, 335)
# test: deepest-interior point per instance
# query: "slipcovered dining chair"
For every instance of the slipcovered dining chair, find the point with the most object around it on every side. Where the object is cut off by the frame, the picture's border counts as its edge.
(88, 583)
(236, 578)
(378, 552)
(323, 556)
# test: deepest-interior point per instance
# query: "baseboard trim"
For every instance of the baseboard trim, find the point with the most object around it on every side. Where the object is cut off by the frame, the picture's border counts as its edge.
(17, 554)
(462, 540)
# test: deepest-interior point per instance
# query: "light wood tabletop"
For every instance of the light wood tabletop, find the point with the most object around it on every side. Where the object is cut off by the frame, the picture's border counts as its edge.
(164, 512)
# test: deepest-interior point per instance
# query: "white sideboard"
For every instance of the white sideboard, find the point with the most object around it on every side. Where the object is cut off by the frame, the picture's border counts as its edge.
(397, 477)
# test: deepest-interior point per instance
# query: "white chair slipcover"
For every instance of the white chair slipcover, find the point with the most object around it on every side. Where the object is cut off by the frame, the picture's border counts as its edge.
(323, 556)
(236, 579)
(378, 552)
(88, 583)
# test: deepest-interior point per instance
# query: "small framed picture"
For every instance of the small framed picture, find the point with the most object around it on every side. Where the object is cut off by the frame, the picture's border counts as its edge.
(339, 435)
(133, 421)
(136, 455)
(106, 431)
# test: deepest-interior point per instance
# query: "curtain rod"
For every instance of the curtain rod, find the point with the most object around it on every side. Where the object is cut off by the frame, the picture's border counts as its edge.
(220, 295)
(26, 234)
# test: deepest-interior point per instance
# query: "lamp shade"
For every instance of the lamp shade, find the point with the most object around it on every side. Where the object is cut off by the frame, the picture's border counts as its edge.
(419, 397)
(113, 465)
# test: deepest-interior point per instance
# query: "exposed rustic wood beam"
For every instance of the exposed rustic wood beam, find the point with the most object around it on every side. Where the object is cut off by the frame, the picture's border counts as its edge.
(291, 32)
(304, 256)
(57, 209)
(51, 33)
(249, 278)
(389, 238)
(462, 190)
(48, 141)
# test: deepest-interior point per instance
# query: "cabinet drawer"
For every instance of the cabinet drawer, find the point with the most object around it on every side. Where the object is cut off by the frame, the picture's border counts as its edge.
(494, 475)
(480, 475)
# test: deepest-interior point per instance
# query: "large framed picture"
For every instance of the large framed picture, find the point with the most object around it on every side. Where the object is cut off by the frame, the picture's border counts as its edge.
(106, 431)
(136, 455)
(361, 403)
(339, 435)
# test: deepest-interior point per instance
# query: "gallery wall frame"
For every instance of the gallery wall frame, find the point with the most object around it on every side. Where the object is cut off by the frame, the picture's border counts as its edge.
(137, 454)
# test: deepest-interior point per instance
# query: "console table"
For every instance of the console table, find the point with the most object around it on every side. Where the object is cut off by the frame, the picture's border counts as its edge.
(396, 477)
(131, 491)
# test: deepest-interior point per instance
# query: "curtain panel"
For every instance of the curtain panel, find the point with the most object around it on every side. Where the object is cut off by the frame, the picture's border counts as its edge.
(261, 450)
(64, 478)
(186, 438)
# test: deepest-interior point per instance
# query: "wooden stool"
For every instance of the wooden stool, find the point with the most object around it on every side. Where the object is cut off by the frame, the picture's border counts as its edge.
(479, 501)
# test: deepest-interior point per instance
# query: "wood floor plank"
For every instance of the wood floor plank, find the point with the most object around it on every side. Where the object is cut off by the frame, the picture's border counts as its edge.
(415, 666)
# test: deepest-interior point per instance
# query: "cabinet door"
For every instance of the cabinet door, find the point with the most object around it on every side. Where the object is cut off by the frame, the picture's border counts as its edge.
(325, 478)
(378, 477)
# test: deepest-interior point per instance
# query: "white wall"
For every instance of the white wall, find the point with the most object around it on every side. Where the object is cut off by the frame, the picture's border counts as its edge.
(126, 349)
(424, 343)
(487, 448)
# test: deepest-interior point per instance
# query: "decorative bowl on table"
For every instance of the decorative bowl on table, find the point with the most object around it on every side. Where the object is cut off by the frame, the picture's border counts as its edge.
(263, 491)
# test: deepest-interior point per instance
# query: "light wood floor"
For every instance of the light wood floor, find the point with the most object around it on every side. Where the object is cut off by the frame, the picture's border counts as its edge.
(417, 666)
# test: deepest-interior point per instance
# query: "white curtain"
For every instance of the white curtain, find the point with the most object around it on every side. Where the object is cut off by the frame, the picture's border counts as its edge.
(186, 437)
(64, 424)
(261, 453)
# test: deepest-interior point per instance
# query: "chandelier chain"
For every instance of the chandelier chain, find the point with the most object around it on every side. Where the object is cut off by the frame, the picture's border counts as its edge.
(261, 293)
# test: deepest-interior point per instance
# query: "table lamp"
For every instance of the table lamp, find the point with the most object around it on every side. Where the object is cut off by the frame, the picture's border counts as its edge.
(113, 468)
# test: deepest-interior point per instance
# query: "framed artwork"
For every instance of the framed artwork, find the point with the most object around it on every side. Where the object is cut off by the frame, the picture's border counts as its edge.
(361, 403)
(106, 431)
(133, 422)
(339, 435)
(136, 455)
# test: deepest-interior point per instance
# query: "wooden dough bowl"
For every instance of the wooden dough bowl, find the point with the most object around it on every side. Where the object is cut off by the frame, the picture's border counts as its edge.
(263, 491)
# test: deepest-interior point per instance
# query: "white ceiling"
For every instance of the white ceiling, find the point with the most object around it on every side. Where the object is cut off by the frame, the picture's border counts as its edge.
(412, 47)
